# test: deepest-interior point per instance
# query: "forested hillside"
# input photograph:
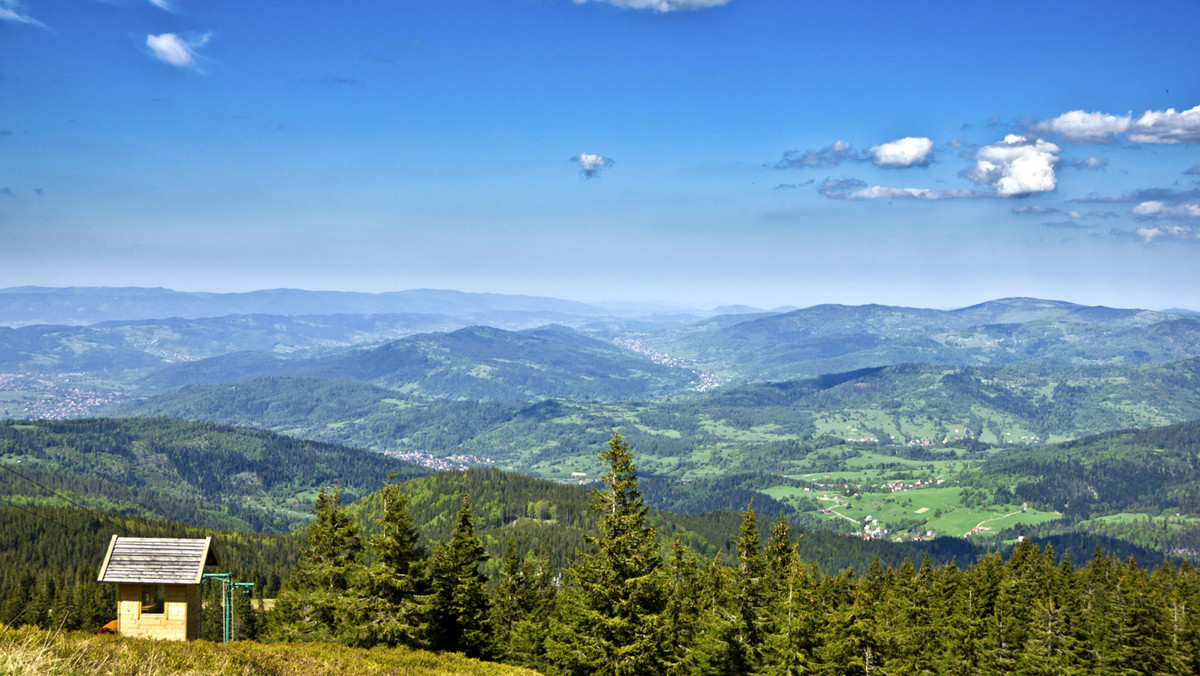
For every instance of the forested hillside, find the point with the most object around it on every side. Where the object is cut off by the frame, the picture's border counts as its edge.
(762, 426)
(198, 473)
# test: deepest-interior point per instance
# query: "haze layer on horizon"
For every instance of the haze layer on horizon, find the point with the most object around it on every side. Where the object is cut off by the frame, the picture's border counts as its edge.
(703, 152)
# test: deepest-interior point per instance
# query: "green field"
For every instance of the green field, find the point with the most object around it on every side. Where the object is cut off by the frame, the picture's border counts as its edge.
(909, 513)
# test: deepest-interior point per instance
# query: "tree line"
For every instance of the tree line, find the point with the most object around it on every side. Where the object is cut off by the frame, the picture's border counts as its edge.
(629, 604)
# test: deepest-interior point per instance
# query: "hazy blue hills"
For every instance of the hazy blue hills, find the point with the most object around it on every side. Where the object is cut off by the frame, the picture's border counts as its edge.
(837, 338)
(89, 305)
(148, 343)
(478, 362)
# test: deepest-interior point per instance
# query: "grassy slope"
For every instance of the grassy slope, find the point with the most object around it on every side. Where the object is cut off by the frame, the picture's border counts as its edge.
(34, 651)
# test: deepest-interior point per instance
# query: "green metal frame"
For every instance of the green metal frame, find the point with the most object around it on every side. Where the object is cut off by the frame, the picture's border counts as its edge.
(227, 587)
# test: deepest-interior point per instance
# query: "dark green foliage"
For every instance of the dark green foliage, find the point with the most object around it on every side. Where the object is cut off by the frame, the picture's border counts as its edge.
(523, 604)
(316, 604)
(458, 611)
(393, 588)
(612, 611)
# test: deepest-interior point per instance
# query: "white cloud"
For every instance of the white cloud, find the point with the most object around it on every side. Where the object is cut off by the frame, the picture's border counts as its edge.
(1084, 127)
(172, 49)
(163, 4)
(1016, 166)
(1149, 234)
(11, 10)
(1154, 126)
(1167, 127)
(590, 164)
(662, 5)
(906, 152)
(1158, 209)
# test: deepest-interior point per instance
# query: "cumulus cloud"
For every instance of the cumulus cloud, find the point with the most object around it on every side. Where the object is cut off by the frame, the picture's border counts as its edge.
(906, 152)
(11, 10)
(1180, 232)
(1084, 127)
(1016, 166)
(829, 156)
(590, 164)
(1159, 209)
(1153, 126)
(855, 189)
(662, 5)
(1167, 126)
(172, 49)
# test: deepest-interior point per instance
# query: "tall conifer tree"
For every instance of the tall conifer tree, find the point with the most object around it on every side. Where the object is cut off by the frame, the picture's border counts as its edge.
(391, 590)
(459, 614)
(314, 603)
(613, 610)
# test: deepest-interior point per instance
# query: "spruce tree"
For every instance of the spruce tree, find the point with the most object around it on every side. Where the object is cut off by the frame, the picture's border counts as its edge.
(745, 632)
(613, 609)
(523, 607)
(314, 603)
(391, 590)
(458, 611)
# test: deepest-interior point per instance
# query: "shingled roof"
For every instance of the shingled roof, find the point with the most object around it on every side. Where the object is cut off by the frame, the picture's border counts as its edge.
(156, 560)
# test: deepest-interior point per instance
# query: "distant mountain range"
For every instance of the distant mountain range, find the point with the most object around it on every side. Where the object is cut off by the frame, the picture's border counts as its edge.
(73, 306)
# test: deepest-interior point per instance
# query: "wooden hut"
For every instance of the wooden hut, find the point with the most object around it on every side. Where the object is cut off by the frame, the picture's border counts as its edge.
(158, 585)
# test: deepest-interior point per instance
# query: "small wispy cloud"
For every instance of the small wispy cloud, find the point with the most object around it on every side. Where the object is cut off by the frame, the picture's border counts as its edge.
(1017, 166)
(1034, 209)
(1151, 127)
(166, 5)
(902, 153)
(1067, 225)
(661, 5)
(1194, 171)
(1166, 195)
(12, 10)
(591, 164)
(1176, 232)
(827, 157)
(172, 49)
(6, 191)
(1089, 163)
(856, 189)
(1159, 209)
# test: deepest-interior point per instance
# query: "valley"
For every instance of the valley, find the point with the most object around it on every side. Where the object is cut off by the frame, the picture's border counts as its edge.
(822, 411)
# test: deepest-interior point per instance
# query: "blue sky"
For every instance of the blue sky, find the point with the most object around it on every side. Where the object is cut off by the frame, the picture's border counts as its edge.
(766, 152)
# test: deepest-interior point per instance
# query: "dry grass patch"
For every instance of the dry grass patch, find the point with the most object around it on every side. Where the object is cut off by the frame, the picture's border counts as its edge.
(34, 651)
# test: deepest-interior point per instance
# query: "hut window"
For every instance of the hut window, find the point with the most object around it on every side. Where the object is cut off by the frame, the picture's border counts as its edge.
(153, 598)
